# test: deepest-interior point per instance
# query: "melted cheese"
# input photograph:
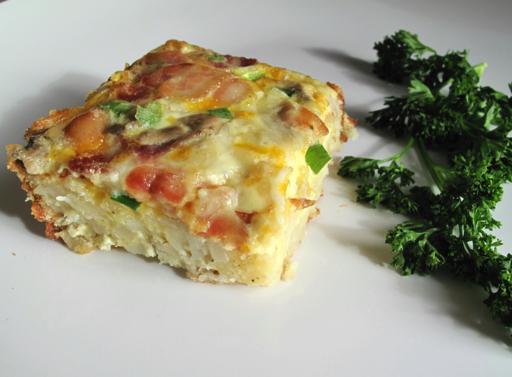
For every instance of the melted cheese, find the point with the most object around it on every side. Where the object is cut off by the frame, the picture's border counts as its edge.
(255, 153)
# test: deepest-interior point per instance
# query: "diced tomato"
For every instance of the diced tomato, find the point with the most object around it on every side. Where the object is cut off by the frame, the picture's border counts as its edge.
(140, 179)
(86, 131)
(227, 227)
(158, 183)
(169, 186)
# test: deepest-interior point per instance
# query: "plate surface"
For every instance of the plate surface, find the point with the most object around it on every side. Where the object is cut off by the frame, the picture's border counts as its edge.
(345, 313)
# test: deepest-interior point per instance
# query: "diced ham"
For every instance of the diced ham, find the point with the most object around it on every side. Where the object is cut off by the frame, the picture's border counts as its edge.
(131, 92)
(189, 81)
(86, 131)
(165, 57)
(147, 181)
(232, 90)
(215, 208)
(227, 227)
(158, 76)
(169, 186)
(302, 119)
(192, 82)
(214, 200)
(140, 179)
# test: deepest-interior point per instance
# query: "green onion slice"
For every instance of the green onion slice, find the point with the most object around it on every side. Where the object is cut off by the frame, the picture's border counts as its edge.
(216, 58)
(317, 157)
(126, 200)
(222, 112)
(249, 73)
(118, 107)
(150, 114)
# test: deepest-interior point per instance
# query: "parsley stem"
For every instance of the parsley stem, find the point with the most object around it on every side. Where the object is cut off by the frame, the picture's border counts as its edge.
(402, 152)
(429, 164)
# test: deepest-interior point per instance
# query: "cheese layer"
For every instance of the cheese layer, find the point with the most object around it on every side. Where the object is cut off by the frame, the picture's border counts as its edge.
(188, 141)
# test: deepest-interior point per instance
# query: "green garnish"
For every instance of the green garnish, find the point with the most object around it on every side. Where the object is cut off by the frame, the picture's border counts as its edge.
(401, 59)
(222, 112)
(317, 157)
(150, 114)
(469, 127)
(120, 112)
(249, 73)
(216, 58)
(126, 200)
(118, 107)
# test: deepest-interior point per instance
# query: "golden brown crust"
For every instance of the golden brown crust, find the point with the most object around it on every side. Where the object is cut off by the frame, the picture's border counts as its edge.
(38, 211)
(347, 122)
(50, 231)
(339, 91)
(54, 117)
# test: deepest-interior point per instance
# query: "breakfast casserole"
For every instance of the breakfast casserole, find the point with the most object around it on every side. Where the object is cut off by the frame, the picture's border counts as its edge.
(210, 163)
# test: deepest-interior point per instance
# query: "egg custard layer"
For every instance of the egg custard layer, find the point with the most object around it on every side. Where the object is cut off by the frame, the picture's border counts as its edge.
(210, 163)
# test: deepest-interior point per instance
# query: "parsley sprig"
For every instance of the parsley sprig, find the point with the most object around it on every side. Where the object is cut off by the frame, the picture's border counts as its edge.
(447, 112)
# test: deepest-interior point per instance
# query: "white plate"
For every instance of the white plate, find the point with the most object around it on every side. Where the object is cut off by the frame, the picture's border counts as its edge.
(345, 313)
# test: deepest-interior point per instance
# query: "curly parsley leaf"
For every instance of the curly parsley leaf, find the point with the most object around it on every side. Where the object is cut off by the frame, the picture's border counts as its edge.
(469, 126)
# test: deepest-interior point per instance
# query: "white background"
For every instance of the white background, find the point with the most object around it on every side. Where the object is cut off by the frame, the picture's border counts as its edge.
(346, 312)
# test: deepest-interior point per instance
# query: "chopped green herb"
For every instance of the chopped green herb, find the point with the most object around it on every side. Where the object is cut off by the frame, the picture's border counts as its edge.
(216, 58)
(222, 112)
(402, 58)
(118, 107)
(317, 157)
(126, 200)
(417, 88)
(150, 114)
(448, 113)
(397, 56)
(250, 73)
